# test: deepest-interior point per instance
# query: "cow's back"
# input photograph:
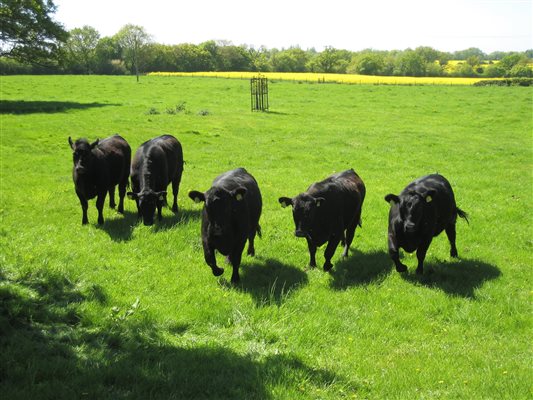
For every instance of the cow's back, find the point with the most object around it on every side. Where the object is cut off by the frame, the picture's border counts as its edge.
(344, 193)
(161, 158)
(115, 154)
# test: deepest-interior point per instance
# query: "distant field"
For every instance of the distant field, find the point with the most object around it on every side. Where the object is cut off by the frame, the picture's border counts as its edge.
(124, 311)
(331, 78)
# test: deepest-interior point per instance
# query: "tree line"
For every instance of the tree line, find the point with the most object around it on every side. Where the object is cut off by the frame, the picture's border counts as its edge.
(132, 51)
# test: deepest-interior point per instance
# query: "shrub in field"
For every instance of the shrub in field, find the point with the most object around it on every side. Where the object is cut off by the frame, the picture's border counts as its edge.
(521, 71)
(152, 111)
(179, 108)
(506, 82)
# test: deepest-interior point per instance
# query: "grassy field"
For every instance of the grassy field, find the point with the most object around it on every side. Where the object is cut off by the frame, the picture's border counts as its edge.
(127, 311)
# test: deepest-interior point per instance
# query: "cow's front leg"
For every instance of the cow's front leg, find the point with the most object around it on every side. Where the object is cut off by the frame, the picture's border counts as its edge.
(84, 206)
(312, 253)
(394, 254)
(235, 260)
(421, 255)
(330, 251)
(210, 259)
(100, 200)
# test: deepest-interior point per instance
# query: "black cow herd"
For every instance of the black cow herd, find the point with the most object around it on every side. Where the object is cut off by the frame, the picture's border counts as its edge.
(328, 212)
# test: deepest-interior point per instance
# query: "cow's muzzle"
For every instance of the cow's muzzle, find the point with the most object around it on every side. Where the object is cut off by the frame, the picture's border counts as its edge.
(300, 233)
(410, 227)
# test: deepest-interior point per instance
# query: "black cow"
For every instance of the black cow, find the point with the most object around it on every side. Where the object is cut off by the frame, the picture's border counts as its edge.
(157, 162)
(422, 211)
(232, 207)
(329, 211)
(98, 168)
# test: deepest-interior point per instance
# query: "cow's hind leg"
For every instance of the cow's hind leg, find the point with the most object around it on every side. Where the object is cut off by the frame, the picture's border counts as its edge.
(350, 233)
(112, 203)
(175, 191)
(121, 194)
(450, 232)
(251, 248)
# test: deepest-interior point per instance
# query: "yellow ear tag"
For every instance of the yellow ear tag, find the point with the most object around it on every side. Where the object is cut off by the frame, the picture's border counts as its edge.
(318, 203)
(239, 197)
(196, 200)
(392, 203)
(161, 197)
(283, 204)
(428, 199)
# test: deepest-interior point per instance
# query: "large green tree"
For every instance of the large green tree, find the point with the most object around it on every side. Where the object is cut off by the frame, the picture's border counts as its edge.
(28, 32)
(133, 40)
(81, 49)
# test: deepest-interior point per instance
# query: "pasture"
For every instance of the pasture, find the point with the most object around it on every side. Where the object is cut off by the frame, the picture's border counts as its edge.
(128, 311)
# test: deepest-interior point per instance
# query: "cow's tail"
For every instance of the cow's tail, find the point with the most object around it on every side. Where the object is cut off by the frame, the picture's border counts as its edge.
(462, 214)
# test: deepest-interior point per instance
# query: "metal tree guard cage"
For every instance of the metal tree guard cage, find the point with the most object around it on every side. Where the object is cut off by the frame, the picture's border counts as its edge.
(259, 93)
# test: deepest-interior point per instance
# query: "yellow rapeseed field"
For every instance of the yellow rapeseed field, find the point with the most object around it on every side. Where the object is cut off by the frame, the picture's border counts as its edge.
(331, 78)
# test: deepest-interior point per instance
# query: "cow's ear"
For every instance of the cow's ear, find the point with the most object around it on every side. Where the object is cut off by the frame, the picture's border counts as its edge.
(285, 201)
(429, 196)
(392, 199)
(71, 143)
(239, 193)
(161, 195)
(95, 143)
(132, 196)
(196, 196)
(319, 201)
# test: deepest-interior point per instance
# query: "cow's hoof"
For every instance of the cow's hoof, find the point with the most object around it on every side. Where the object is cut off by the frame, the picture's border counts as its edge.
(217, 271)
(401, 268)
(453, 253)
(327, 266)
(235, 279)
(420, 271)
(175, 209)
(251, 252)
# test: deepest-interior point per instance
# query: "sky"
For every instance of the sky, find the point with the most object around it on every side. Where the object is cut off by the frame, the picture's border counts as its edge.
(450, 25)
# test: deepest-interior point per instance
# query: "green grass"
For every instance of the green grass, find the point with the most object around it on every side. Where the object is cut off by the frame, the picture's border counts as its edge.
(128, 311)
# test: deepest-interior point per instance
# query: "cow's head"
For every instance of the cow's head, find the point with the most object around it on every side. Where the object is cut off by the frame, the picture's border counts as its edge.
(82, 155)
(219, 204)
(304, 211)
(411, 207)
(147, 201)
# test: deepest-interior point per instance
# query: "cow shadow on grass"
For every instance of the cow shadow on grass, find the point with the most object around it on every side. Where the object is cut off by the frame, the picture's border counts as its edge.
(360, 269)
(32, 107)
(457, 278)
(47, 352)
(120, 227)
(269, 281)
(183, 216)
